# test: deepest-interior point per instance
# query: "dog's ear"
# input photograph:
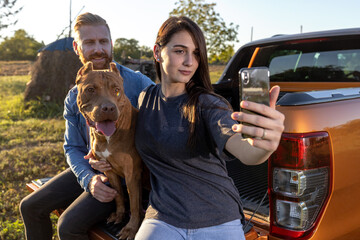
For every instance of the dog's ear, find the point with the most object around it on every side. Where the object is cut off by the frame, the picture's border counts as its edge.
(113, 68)
(88, 67)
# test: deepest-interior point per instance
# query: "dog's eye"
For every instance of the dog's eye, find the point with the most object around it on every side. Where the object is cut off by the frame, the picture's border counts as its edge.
(90, 89)
(117, 91)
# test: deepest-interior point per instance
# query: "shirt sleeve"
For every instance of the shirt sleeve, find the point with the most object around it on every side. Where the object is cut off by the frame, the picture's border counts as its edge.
(76, 142)
(216, 115)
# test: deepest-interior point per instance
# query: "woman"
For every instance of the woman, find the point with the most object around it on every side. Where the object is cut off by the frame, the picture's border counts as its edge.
(184, 135)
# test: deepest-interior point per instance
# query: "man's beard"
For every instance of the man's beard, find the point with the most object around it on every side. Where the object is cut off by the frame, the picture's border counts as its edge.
(108, 59)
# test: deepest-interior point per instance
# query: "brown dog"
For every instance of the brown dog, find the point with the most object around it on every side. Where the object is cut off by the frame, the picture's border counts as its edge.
(112, 119)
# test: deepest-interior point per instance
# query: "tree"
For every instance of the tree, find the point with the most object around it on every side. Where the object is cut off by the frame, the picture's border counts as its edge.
(124, 48)
(19, 47)
(146, 52)
(218, 36)
(129, 48)
(7, 13)
(224, 56)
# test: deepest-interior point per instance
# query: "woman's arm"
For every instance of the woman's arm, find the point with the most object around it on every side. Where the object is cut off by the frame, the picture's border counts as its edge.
(267, 132)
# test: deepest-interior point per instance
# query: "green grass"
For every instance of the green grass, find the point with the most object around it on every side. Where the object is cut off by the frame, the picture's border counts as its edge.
(215, 72)
(12, 102)
(31, 138)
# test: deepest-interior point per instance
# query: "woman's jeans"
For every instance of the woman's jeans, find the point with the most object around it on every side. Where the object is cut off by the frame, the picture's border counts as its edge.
(152, 229)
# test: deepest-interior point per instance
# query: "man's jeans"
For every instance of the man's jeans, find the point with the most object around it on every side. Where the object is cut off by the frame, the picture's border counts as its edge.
(62, 191)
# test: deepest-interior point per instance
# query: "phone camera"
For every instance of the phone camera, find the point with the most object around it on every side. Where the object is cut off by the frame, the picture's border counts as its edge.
(245, 78)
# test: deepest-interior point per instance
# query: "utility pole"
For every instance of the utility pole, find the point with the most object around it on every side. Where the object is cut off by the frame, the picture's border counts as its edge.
(70, 21)
(301, 29)
(251, 35)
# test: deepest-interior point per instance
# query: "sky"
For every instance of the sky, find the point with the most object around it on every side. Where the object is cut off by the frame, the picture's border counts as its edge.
(45, 20)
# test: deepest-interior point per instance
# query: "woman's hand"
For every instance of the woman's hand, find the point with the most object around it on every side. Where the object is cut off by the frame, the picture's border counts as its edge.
(100, 165)
(268, 128)
(267, 131)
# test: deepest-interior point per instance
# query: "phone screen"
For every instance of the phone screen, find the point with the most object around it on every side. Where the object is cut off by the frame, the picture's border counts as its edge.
(254, 87)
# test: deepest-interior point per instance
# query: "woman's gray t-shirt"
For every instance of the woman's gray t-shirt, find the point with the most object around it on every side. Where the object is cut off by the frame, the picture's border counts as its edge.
(190, 186)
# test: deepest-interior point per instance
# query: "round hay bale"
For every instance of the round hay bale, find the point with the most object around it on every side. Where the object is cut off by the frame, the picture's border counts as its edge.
(52, 75)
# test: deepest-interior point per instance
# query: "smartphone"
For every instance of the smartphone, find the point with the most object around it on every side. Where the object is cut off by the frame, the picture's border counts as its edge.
(254, 87)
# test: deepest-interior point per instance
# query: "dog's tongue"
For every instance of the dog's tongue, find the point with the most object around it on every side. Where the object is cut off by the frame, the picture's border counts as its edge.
(106, 127)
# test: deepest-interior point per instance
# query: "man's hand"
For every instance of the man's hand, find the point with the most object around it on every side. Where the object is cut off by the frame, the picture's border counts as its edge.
(101, 165)
(99, 190)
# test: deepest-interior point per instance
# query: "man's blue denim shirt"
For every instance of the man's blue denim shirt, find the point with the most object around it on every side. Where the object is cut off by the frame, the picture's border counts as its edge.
(77, 142)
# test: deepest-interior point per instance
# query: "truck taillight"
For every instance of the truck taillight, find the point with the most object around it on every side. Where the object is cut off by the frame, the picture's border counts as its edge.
(306, 188)
(300, 173)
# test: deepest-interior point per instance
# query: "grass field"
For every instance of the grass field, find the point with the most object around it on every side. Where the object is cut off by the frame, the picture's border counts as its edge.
(215, 72)
(11, 68)
(31, 138)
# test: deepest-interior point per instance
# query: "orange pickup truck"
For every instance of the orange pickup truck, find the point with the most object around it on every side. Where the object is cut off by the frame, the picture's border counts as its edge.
(309, 188)
(312, 180)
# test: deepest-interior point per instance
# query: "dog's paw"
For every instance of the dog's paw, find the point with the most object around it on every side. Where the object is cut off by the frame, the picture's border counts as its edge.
(115, 217)
(127, 233)
(130, 229)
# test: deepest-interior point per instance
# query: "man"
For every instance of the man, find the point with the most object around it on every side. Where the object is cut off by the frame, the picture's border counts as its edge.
(80, 190)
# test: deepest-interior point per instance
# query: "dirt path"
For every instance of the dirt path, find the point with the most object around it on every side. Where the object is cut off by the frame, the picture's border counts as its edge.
(15, 68)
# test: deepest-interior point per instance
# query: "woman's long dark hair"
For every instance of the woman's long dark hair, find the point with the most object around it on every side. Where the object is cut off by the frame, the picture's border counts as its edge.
(200, 83)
